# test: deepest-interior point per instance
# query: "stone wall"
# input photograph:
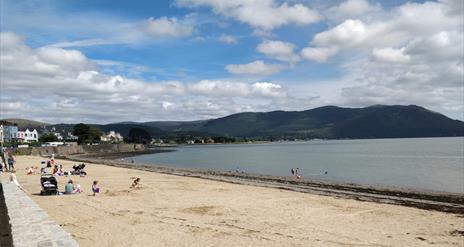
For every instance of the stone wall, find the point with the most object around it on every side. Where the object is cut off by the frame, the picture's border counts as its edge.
(30, 225)
(81, 149)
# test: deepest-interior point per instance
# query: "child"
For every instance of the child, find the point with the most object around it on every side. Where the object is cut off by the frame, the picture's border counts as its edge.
(95, 188)
(135, 183)
(29, 170)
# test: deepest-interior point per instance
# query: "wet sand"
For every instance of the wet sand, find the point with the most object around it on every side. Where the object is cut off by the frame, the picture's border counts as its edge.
(168, 210)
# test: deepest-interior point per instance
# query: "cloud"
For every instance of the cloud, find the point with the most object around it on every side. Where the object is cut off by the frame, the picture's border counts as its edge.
(390, 55)
(265, 14)
(220, 88)
(228, 39)
(352, 9)
(62, 85)
(164, 27)
(319, 55)
(404, 23)
(279, 50)
(257, 67)
(84, 43)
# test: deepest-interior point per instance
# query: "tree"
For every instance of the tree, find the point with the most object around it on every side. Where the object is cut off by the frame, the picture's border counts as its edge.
(50, 137)
(138, 135)
(86, 133)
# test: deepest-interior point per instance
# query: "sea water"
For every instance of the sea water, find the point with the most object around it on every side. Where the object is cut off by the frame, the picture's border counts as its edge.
(417, 163)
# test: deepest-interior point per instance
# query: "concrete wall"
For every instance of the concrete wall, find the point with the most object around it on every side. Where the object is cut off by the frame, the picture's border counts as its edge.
(30, 225)
(68, 150)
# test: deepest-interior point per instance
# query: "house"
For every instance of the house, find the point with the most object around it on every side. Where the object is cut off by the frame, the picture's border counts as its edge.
(112, 136)
(70, 136)
(27, 136)
(58, 136)
(10, 132)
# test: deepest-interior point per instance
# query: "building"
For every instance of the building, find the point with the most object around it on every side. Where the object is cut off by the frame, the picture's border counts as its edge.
(70, 136)
(112, 136)
(58, 136)
(10, 132)
(27, 136)
(1, 133)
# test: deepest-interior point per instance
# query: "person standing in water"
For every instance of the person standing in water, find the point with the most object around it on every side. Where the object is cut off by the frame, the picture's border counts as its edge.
(297, 173)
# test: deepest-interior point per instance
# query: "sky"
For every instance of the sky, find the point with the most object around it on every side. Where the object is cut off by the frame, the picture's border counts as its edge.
(109, 61)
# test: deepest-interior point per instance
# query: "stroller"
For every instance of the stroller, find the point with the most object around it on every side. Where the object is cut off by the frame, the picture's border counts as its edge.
(49, 185)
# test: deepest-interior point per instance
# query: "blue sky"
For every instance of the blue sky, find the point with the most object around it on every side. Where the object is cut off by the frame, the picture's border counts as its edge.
(106, 61)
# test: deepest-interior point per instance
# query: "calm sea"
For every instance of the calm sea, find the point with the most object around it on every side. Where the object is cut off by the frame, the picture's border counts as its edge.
(418, 163)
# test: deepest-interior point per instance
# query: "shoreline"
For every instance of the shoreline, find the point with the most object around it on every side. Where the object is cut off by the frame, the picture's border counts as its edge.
(181, 210)
(429, 200)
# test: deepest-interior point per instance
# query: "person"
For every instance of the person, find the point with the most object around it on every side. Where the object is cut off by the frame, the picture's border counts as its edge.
(69, 187)
(60, 171)
(29, 170)
(55, 170)
(95, 188)
(2, 167)
(52, 159)
(78, 189)
(293, 171)
(135, 183)
(11, 161)
(297, 173)
(13, 179)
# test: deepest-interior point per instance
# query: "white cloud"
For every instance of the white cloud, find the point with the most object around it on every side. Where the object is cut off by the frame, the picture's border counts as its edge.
(257, 67)
(228, 39)
(279, 50)
(352, 9)
(404, 23)
(219, 88)
(61, 85)
(263, 14)
(166, 105)
(319, 55)
(390, 55)
(85, 43)
(164, 27)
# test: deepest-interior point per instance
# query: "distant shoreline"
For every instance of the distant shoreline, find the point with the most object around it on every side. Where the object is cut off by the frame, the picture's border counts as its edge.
(429, 200)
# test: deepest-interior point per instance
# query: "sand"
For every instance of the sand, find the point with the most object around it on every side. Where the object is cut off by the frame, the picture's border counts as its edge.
(169, 210)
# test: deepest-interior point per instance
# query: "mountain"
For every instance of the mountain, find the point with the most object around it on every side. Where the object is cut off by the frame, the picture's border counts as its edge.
(331, 122)
(378, 121)
(24, 123)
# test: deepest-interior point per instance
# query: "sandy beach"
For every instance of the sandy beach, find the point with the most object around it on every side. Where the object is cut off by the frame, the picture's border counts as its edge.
(168, 210)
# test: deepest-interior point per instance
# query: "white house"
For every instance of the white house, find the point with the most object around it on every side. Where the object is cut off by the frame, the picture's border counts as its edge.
(27, 136)
(112, 136)
(58, 136)
(70, 136)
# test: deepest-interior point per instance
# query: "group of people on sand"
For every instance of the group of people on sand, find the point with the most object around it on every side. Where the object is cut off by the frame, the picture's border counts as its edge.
(70, 188)
(296, 173)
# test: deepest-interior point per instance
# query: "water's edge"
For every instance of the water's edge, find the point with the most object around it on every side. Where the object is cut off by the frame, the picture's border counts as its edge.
(429, 200)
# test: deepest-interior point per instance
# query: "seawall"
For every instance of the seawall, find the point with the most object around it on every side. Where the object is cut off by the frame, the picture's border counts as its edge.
(29, 224)
(81, 149)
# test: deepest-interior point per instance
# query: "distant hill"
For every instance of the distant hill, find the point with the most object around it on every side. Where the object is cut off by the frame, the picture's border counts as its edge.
(331, 122)
(336, 122)
(328, 122)
(24, 123)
